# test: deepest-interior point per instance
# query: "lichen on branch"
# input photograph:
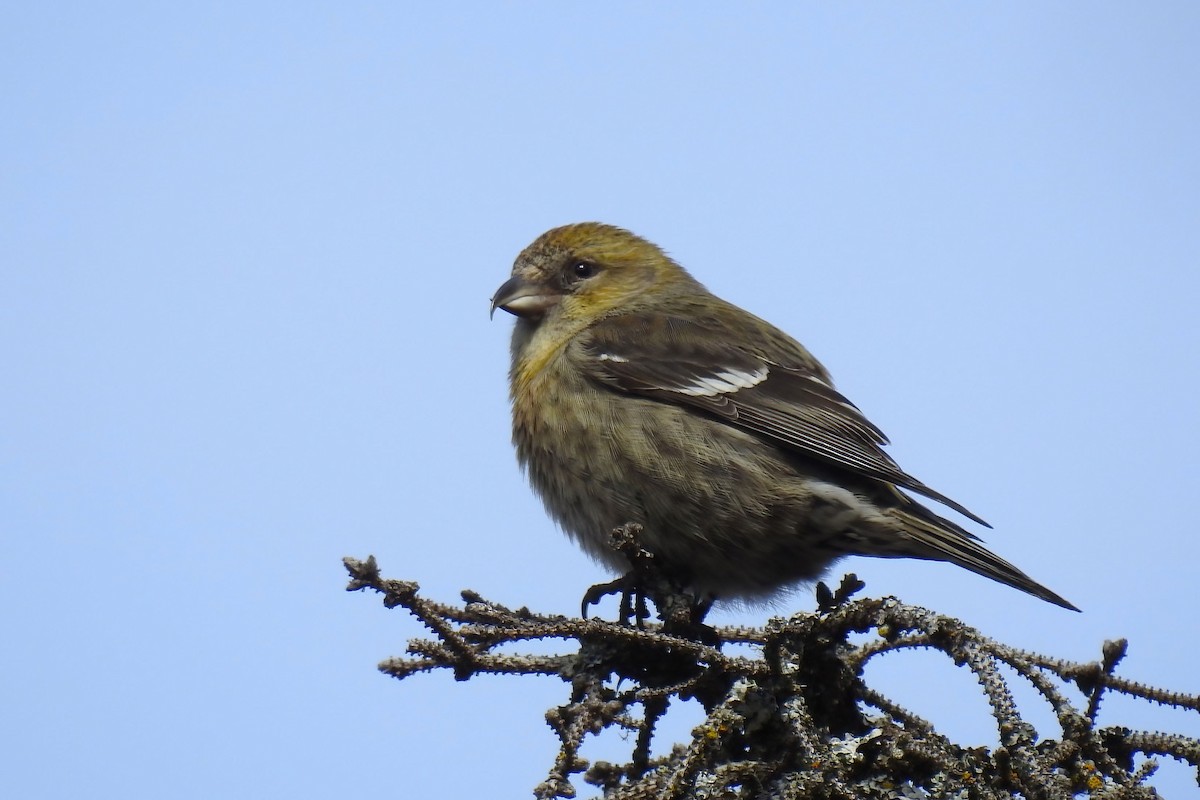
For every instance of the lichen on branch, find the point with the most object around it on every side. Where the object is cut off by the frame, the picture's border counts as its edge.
(794, 719)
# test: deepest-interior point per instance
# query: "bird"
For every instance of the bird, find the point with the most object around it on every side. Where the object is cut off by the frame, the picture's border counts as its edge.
(638, 396)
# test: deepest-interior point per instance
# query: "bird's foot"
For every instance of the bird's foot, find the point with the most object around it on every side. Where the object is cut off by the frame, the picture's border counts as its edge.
(681, 611)
(634, 609)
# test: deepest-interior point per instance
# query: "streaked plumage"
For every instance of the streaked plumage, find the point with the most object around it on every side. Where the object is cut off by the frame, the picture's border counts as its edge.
(638, 396)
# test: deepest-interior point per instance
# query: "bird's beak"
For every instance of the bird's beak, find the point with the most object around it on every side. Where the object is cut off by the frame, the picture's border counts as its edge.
(522, 298)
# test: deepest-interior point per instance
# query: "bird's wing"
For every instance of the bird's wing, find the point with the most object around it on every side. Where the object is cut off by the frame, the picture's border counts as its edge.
(749, 375)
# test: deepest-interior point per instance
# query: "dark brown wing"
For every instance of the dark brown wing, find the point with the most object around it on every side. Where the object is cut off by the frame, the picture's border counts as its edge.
(751, 376)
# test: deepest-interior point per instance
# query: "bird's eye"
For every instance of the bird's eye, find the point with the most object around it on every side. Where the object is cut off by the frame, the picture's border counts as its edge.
(582, 269)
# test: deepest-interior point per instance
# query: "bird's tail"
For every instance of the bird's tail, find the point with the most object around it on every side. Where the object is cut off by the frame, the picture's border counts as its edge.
(929, 536)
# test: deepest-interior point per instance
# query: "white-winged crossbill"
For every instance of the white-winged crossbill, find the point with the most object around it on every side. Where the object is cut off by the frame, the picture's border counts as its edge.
(639, 396)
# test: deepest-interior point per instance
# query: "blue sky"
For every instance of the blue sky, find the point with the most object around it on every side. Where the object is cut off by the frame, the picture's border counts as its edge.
(244, 269)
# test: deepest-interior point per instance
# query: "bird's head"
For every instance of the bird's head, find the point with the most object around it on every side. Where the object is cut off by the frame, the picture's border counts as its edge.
(585, 271)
